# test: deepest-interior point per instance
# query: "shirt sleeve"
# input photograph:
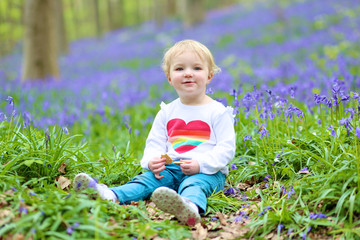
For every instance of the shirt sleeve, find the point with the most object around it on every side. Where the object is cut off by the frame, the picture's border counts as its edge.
(156, 140)
(220, 156)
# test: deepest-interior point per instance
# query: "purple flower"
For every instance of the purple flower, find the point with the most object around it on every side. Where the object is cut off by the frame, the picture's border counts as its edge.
(263, 132)
(280, 227)
(69, 230)
(2, 117)
(291, 192)
(333, 133)
(267, 208)
(345, 98)
(347, 124)
(256, 121)
(233, 166)
(351, 111)
(14, 189)
(319, 122)
(266, 178)
(229, 191)
(241, 216)
(209, 91)
(10, 100)
(316, 216)
(23, 210)
(357, 132)
(305, 169)
(247, 138)
(114, 148)
(64, 130)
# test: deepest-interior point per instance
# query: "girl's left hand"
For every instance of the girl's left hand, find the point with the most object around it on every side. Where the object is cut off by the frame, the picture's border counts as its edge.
(190, 167)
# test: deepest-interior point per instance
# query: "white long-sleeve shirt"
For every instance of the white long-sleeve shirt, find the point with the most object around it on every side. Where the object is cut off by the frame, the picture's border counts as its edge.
(204, 133)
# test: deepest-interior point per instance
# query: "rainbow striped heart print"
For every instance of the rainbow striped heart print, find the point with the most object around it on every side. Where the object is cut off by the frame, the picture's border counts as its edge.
(185, 137)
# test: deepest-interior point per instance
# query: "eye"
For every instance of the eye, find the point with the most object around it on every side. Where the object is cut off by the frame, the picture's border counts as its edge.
(197, 68)
(179, 69)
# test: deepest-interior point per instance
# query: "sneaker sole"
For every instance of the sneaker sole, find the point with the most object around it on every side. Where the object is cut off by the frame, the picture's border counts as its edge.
(169, 201)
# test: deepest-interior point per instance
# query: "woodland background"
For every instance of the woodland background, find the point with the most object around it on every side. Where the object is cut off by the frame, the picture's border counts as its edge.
(81, 82)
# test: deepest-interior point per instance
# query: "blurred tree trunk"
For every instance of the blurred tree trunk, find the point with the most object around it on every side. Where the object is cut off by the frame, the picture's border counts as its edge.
(97, 18)
(61, 37)
(171, 8)
(116, 14)
(40, 52)
(160, 7)
(192, 11)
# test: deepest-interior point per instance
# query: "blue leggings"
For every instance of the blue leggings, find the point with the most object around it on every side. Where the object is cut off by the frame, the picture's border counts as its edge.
(196, 187)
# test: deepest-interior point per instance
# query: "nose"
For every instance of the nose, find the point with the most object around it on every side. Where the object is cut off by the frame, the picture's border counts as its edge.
(188, 74)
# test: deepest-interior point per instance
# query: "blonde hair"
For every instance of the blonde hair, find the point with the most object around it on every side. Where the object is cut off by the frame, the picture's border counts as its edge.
(192, 45)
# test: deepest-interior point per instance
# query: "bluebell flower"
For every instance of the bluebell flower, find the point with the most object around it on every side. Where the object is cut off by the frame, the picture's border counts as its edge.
(26, 119)
(64, 130)
(256, 121)
(319, 122)
(345, 98)
(304, 169)
(266, 178)
(264, 133)
(356, 95)
(357, 132)
(23, 210)
(291, 192)
(247, 138)
(69, 230)
(280, 227)
(267, 208)
(351, 111)
(317, 215)
(14, 189)
(233, 166)
(10, 100)
(241, 216)
(209, 91)
(333, 133)
(114, 148)
(2, 117)
(347, 124)
(229, 191)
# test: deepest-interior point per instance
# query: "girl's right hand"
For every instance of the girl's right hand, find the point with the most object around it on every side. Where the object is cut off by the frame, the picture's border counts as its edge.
(157, 165)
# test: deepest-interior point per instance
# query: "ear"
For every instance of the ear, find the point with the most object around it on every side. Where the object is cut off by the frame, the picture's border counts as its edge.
(210, 77)
(169, 79)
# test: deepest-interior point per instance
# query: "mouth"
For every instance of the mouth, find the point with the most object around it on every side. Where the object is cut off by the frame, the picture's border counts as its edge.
(188, 82)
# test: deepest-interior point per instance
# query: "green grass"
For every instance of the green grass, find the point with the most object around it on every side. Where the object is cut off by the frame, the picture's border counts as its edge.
(36, 204)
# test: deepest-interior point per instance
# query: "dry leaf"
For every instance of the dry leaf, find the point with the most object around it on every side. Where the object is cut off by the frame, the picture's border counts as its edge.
(63, 182)
(221, 218)
(200, 233)
(62, 168)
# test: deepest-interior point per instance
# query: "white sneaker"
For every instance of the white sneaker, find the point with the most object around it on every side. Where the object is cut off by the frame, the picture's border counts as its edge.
(83, 181)
(171, 202)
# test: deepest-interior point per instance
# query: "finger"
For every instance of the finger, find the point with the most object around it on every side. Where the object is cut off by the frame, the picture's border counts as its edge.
(158, 170)
(157, 176)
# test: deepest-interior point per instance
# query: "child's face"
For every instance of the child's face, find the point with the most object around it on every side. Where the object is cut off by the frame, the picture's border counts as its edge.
(189, 75)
